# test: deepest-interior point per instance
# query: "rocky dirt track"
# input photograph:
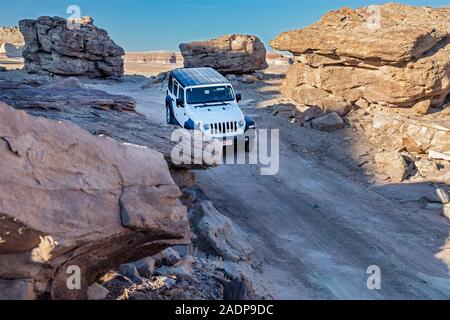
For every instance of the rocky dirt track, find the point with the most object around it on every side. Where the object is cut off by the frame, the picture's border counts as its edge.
(322, 220)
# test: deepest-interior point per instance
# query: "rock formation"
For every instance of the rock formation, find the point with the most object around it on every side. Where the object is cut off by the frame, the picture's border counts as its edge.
(159, 57)
(62, 95)
(96, 111)
(233, 54)
(69, 199)
(55, 45)
(11, 42)
(393, 55)
(220, 232)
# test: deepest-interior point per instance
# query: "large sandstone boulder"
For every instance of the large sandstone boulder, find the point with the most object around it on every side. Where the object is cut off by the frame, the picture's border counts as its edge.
(69, 199)
(55, 45)
(233, 54)
(394, 55)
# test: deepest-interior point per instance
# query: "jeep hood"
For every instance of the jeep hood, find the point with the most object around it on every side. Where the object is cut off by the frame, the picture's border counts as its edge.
(216, 113)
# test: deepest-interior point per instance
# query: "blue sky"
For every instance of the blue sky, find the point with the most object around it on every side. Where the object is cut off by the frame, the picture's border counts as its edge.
(140, 25)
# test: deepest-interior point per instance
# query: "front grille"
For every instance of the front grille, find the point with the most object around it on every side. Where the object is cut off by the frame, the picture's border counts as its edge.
(223, 127)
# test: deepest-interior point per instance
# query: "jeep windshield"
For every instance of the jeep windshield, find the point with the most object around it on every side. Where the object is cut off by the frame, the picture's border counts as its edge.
(209, 94)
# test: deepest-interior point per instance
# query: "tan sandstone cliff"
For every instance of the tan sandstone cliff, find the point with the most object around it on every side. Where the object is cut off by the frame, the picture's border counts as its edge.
(393, 55)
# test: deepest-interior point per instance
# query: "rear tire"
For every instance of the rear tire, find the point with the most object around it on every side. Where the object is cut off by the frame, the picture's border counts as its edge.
(169, 115)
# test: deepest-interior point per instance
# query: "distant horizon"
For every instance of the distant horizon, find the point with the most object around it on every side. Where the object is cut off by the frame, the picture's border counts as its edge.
(142, 25)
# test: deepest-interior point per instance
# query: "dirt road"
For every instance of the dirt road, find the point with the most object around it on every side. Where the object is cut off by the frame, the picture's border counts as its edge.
(315, 227)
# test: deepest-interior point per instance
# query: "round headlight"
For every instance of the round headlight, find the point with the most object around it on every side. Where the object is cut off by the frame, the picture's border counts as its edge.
(206, 127)
(241, 123)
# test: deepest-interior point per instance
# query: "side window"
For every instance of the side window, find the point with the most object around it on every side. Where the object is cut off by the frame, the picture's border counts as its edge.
(170, 84)
(181, 94)
(175, 88)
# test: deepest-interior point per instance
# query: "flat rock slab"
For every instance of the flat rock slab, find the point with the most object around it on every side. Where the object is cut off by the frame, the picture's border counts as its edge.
(63, 193)
(328, 122)
(98, 112)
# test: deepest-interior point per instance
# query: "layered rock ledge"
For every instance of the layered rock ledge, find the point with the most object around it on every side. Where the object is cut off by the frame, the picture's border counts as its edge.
(393, 55)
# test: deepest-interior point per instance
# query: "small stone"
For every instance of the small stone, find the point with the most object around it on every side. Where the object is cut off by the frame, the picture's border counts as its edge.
(249, 78)
(167, 282)
(438, 155)
(426, 167)
(446, 211)
(145, 267)
(239, 289)
(422, 107)
(170, 257)
(362, 103)
(392, 164)
(128, 270)
(182, 271)
(328, 122)
(246, 103)
(308, 113)
(442, 195)
(259, 75)
(97, 292)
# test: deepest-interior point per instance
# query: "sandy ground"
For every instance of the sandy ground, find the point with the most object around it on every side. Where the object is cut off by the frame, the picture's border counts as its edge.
(148, 69)
(321, 222)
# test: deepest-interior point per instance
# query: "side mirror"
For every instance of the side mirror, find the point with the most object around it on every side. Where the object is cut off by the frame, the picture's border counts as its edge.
(180, 103)
(238, 97)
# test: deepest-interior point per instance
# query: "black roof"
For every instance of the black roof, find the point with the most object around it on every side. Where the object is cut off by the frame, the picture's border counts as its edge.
(198, 76)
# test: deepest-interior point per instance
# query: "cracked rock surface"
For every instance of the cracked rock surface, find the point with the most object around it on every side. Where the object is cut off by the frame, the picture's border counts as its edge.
(394, 55)
(71, 198)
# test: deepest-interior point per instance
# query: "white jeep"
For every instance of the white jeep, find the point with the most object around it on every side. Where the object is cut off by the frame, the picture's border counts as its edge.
(202, 99)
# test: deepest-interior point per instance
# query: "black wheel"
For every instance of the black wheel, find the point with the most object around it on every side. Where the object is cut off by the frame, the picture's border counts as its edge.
(250, 145)
(169, 115)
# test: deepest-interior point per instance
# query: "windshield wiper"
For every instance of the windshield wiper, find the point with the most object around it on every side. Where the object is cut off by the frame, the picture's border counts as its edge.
(211, 104)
